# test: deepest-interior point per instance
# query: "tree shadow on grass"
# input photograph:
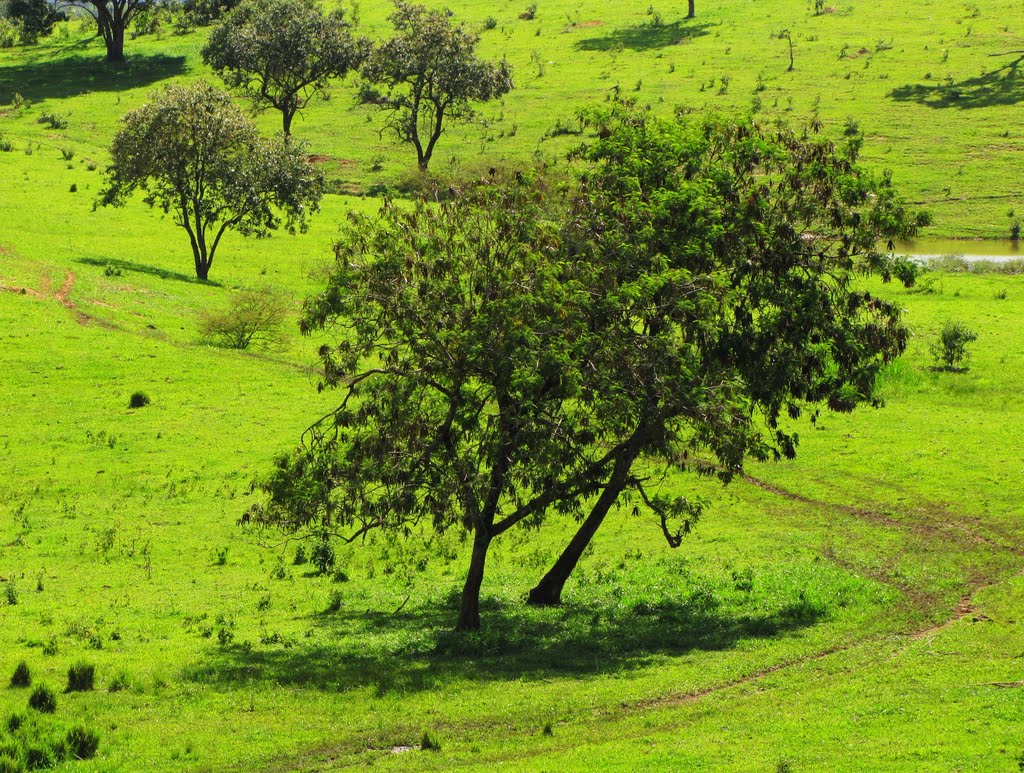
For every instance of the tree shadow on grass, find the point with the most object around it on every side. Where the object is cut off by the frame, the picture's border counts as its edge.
(645, 37)
(141, 268)
(1004, 86)
(418, 650)
(42, 79)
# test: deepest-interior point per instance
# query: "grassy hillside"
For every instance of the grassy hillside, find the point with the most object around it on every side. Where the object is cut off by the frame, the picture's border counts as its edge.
(936, 88)
(856, 609)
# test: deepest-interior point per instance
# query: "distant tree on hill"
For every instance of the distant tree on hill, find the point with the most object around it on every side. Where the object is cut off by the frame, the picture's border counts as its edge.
(282, 53)
(430, 76)
(195, 155)
(516, 353)
(112, 19)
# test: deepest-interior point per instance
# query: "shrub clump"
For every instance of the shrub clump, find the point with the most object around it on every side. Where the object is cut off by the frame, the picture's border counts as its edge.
(21, 677)
(138, 400)
(43, 700)
(950, 350)
(253, 318)
(82, 742)
(80, 677)
(323, 555)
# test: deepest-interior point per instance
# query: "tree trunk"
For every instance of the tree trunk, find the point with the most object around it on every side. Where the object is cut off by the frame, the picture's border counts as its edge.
(287, 116)
(469, 611)
(548, 592)
(199, 254)
(115, 42)
(692, 11)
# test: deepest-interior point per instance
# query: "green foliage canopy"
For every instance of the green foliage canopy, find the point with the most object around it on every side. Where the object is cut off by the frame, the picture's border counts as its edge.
(282, 53)
(37, 17)
(195, 154)
(430, 75)
(522, 351)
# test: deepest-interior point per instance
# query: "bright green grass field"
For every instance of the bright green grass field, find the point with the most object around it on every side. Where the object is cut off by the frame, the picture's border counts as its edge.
(857, 609)
(936, 87)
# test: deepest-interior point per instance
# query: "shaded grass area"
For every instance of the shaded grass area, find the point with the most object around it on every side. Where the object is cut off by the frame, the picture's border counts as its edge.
(44, 79)
(517, 643)
(119, 264)
(1002, 86)
(646, 37)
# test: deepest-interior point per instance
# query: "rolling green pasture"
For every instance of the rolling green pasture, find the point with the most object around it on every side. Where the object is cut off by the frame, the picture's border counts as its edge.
(859, 608)
(936, 87)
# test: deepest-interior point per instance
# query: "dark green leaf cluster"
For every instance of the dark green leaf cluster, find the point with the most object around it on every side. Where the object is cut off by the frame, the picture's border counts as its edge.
(36, 17)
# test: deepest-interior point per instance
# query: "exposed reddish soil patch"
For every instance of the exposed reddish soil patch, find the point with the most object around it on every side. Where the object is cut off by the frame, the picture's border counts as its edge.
(591, 23)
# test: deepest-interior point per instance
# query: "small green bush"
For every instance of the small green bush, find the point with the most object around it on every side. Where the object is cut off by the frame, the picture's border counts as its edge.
(82, 743)
(300, 556)
(334, 605)
(138, 400)
(39, 756)
(11, 592)
(81, 677)
(21, 677)
(950, 350)
(254, 317)
(14, 722)
(120, 682)
(429, 742)
(43, 700)
(53, 120)
(323, 555)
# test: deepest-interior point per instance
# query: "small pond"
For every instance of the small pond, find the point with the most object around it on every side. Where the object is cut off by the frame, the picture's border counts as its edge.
(970, 249)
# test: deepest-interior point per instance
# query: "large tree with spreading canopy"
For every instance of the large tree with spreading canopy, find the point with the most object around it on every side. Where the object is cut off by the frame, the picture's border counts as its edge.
(524, 351)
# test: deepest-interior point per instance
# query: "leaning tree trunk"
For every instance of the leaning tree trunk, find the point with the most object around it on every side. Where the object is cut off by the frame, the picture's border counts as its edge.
(469, 610)
(548, 591)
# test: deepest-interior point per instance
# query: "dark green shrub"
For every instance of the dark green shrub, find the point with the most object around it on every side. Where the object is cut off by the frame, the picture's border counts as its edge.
(36, 17)
(14, 722)
(300, 556)
(138, 400)
(43, 700)
(334, 605)
(40, 756)
(21, 677)
(80, 677)
(323, 555)
(204, 12)
(906, 271)
(82, 743)
(119, 682)
(429, 742)
(53, 120)
(950, 350)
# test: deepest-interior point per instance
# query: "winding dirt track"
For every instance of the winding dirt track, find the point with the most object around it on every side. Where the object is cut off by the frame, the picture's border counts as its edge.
(62, 295)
